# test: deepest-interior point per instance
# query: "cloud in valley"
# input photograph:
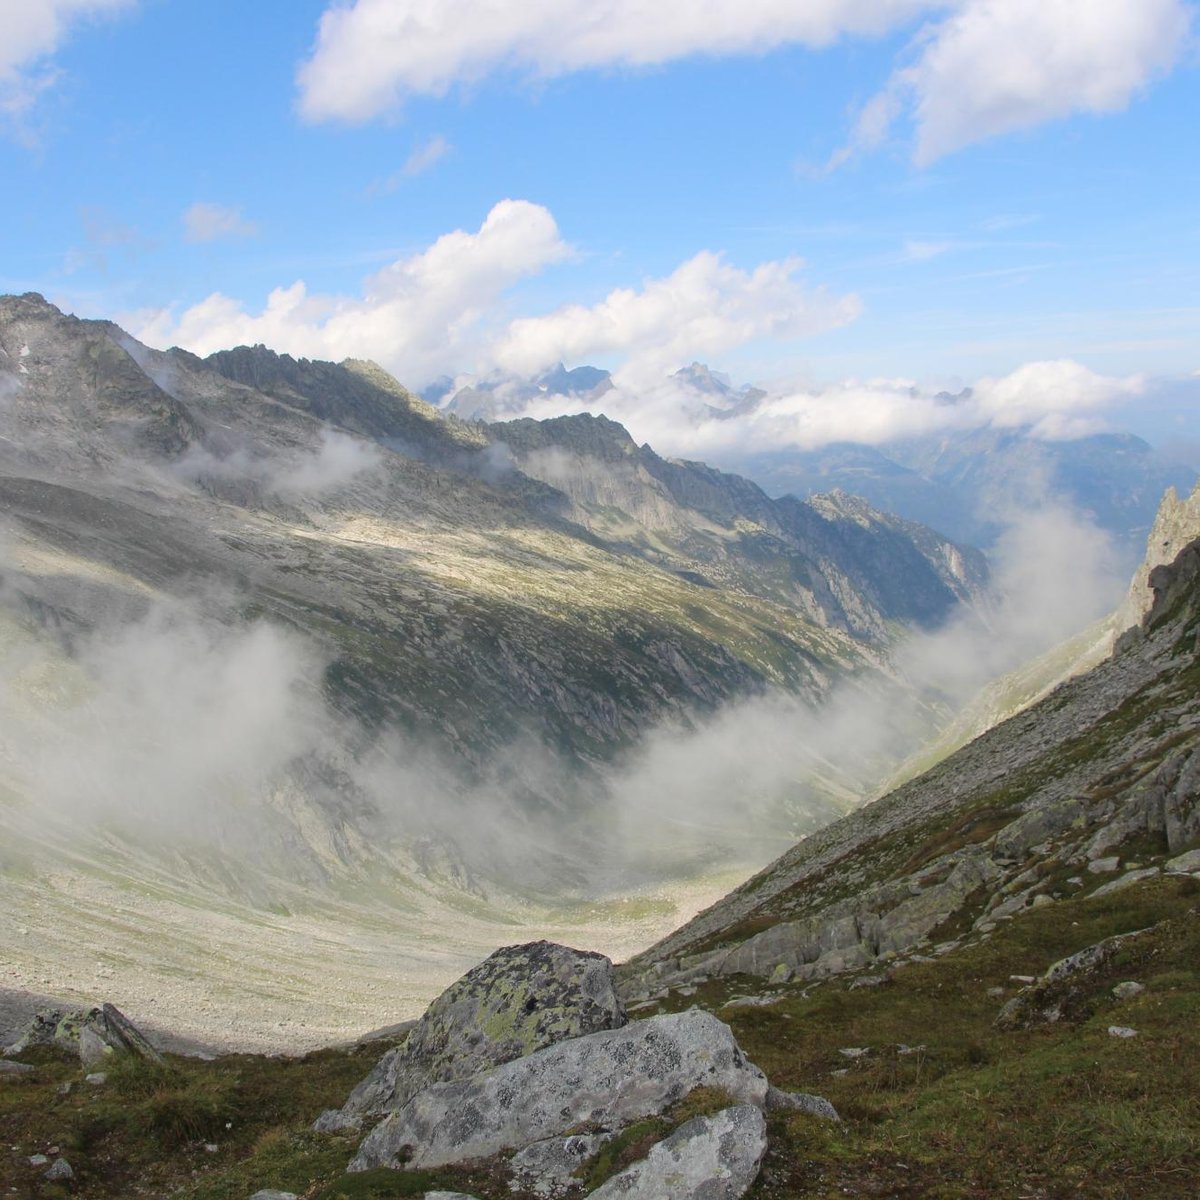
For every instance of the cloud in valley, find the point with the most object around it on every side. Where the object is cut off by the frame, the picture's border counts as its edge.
(980, 67)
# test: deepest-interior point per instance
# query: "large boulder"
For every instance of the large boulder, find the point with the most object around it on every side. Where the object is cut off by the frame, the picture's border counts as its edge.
(600, 1081)
(95, 1034)
(708, 1158)
(519, 1000)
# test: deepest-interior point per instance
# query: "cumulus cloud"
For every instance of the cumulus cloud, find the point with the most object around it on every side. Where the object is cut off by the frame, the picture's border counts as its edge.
(34, 30)
(704, 307)
(994, 66)
(371, 54)
(419, 316)
(440, 311)
(204, 222)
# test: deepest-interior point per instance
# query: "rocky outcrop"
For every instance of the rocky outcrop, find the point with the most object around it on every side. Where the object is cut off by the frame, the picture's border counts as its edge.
(520, 999)
(603, 1081)
(95, 1034)
(708, 1158)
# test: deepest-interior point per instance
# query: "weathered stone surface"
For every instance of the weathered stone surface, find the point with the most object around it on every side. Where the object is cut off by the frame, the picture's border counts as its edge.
(447, 1196)
(272, 1194)
(816, 1106)
(1124, 881)
(93, 1033)
(1128, 989)
(520, 999)
(708, 1158)
(604, 1079)
(1104, 866)
(1184, 864)
(1121, 1031)
(14, 1068)
(1050, 996)
(547, 1168)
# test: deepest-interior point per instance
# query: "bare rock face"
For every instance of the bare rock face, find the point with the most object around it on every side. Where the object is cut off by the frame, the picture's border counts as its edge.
(604, 1080)
(709, 1158)
(519, 1000)
(95, 1034)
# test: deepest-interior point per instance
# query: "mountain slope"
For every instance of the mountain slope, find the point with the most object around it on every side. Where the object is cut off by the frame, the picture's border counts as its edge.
(1105, 767)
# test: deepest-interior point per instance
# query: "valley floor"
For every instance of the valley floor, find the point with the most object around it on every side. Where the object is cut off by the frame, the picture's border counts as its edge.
(210, 974)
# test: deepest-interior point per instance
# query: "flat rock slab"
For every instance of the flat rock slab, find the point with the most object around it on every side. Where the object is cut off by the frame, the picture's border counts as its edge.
(709, 1158)
(271, 1194)
(14, 1068)
(605, 1080)
(805, 1102)
(520, 999)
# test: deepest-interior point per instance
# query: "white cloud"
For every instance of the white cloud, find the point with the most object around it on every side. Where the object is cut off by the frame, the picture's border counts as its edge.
(420, 316)
(1060, 399)
(208, 222)
(418, 162)
(703, 308)
(995, 66)
(371, 54)
(32, 31)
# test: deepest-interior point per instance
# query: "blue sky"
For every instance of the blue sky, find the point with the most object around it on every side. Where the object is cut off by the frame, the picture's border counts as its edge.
(815, 196)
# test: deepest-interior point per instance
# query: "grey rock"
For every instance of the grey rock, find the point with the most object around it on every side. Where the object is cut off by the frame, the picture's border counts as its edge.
(1104, 866)
(1126, 880)
(1121, 1031)
(60, 1170)
(1128, 989)
(606, 1079)
(96, 1078)
(520, 999)
(38, 1160)
(1047, 998)
(816, 1106)
(1184, 864)
(8, 1067)
(854, 1051)
(272, 1194)
(708, 1158)
(93, 1033)
(547, 1168)
(447, 1196)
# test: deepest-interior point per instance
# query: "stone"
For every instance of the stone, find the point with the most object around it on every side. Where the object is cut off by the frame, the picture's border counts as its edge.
(59, 1170)
(547, 1168)
(96, 1078)
(708, 1158)
(606, 1079)
(272, 1194)
(1045, 999)
(447, 1196)
(1126, 880)
(93, 1033)
(1104, 866)
(868, 981)
(854, 1051)
(1121, 1031)
(1128, 989)
(520, 999)
(816, 1106)
(38, 1160)
(14, 1068)
(1184, 864)
(995, 991)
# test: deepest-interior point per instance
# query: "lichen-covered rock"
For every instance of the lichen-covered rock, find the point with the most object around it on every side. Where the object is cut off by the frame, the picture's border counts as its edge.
(519, 1000)
(14, 1068)
(708, 1158)
(272, 1194)
(547, 1168)
(604, 1079)
(95, 1034)
(806, 1102)
(1059, 989)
